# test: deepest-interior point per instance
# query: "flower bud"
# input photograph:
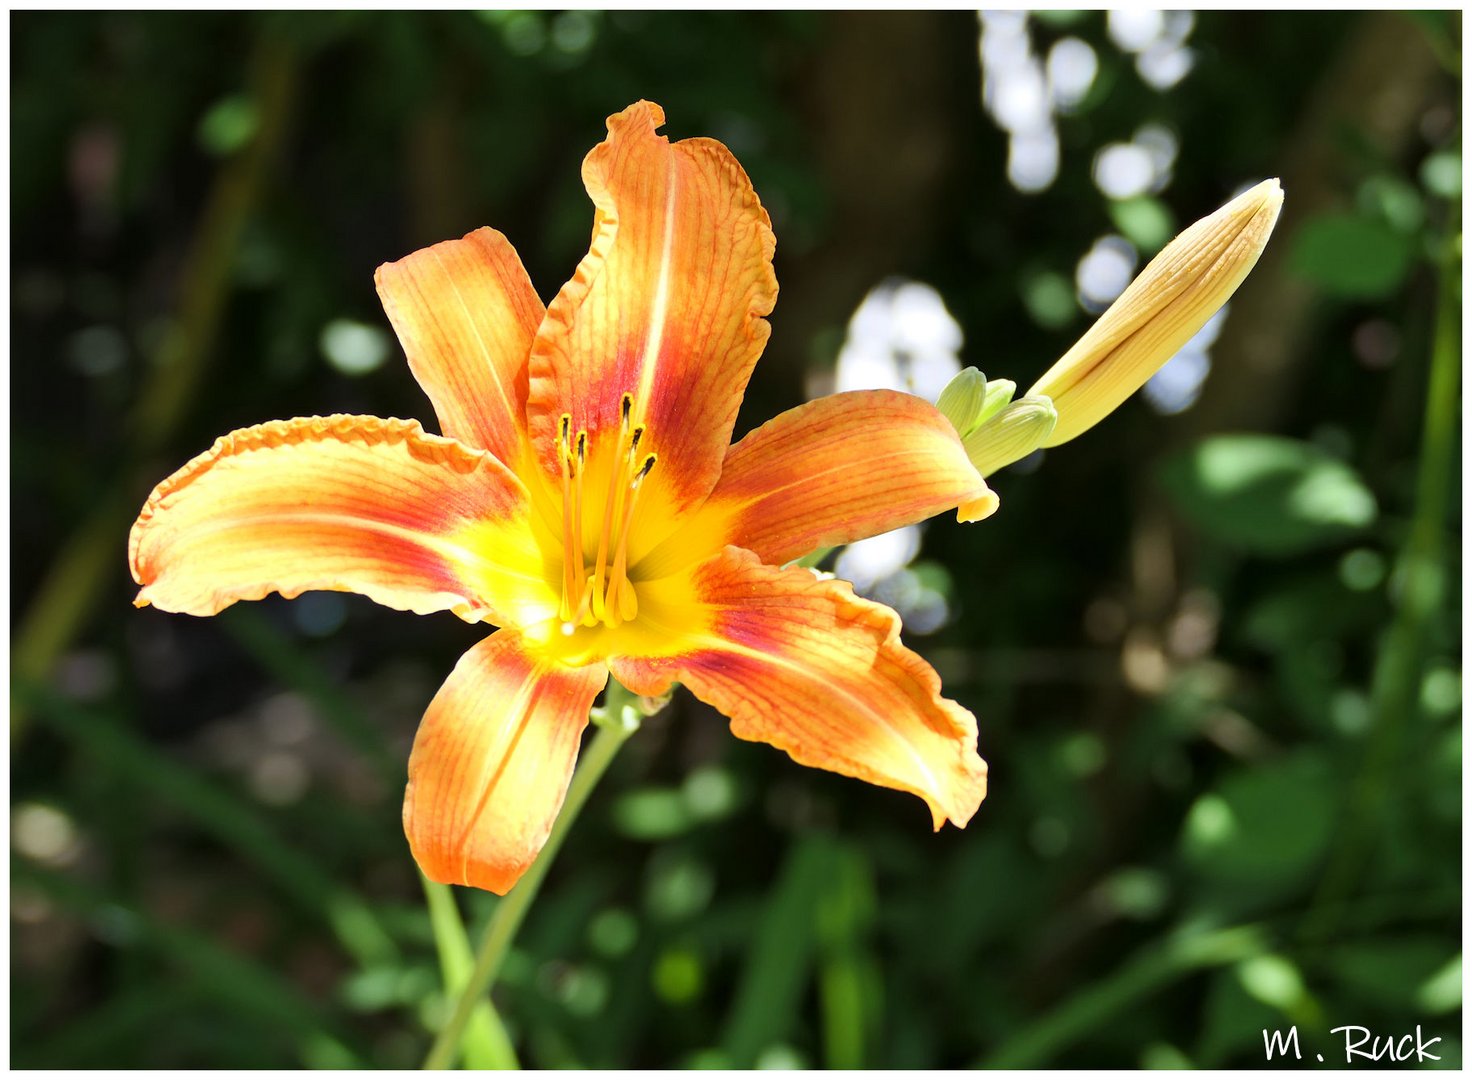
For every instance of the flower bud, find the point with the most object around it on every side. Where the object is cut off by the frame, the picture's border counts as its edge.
(1010, 434)
(998, 396)
(960, 402)
(969, 400)
(1162, 309)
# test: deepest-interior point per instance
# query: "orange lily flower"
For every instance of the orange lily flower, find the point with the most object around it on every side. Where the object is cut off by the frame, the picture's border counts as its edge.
(584, 498)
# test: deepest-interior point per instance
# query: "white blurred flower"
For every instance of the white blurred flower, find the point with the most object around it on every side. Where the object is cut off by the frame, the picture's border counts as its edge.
(901, 337)
(1072, 67)
(1104, 271)
(1133, 29)
(1124, 170)
(866, 562)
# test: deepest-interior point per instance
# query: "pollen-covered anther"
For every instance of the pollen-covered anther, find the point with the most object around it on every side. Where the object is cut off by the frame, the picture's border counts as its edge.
(599, 591)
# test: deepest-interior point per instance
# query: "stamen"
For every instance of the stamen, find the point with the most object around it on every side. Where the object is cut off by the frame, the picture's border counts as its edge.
(612, 510)
(575, 553)
(572, 517)
(568, 536)
(623, 598)
(602, 592)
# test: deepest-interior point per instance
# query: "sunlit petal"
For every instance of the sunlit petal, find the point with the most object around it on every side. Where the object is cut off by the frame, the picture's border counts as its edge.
(803, 664)
(492, 761)
(466, 314)
(830, 472)
(346, 503)
(667, 307)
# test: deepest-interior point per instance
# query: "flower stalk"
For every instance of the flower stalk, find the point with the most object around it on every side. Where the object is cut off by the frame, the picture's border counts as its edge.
(616, 720)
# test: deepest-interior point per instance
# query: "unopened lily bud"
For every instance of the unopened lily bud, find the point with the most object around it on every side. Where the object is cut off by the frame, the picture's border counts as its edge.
(960, 402)
(970, 399)
(998, 396)
(1011, 434)
(1162, 309)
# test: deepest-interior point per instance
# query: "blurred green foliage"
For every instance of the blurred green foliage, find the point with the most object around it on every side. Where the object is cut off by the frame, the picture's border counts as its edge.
(1268, 495)
(1215, 656)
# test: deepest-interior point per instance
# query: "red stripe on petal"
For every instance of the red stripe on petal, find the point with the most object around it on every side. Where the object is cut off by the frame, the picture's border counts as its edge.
(492, 761)
(805, 665)
(345, 503)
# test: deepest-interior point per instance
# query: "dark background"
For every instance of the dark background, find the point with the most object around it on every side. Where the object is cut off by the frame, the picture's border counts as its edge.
(1217, 681)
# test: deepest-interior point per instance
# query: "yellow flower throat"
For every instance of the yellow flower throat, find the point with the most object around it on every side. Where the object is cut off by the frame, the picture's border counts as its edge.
(600, 591)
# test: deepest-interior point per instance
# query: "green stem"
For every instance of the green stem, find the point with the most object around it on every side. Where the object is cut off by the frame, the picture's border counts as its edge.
(1420, 587)
(618, 720)
(485, 1044)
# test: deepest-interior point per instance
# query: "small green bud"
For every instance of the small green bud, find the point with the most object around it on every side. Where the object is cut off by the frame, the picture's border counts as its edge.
(969, 400)
(1011, 434)
(962, 400)
(998, 396)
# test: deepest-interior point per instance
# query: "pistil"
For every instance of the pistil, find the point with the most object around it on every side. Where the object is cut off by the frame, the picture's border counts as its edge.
(569, 478)
(621, 596)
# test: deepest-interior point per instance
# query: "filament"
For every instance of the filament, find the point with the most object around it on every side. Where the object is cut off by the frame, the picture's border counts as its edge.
(600, 592)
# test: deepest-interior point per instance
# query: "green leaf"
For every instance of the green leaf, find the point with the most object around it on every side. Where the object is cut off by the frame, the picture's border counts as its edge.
(1264, 830)
(849, 979)
(780, 961)
(1397, 202)
(1269, 495)
(1352, 256)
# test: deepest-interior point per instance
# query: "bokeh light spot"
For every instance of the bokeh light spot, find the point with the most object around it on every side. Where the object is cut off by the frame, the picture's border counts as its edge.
(354, 348)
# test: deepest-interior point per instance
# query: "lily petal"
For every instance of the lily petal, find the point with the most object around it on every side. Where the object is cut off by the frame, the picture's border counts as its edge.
(492, 761)
(346, 503)
(803, 664)
(667, 306)
(835, 470)
(466, 314)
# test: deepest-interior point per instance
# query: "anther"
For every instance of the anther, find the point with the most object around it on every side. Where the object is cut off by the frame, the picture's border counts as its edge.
(627, 407)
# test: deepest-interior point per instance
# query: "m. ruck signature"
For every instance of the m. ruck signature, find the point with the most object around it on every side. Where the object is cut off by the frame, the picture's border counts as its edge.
(1360, 1044)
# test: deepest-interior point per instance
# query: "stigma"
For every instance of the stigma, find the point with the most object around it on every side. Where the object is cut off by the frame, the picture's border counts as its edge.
(598, 591)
